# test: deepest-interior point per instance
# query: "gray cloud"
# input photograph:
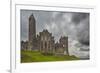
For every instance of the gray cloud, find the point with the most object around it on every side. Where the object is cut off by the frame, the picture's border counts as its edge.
(71, 24)
(82, 25)
(78, 17)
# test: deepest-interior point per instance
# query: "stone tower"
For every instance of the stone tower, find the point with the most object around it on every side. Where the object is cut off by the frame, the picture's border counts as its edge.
(64, 44)
(32, 32)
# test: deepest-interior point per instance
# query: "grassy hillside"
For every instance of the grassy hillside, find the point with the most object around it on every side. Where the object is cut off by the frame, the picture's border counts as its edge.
(35, 56)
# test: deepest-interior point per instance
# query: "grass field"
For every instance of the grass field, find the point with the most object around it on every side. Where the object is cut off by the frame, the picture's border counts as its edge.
(35, 56)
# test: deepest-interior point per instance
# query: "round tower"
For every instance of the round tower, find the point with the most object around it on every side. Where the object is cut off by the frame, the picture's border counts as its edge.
(32, 32)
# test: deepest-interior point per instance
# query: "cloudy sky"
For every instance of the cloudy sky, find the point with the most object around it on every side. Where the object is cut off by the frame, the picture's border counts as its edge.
(71, 24)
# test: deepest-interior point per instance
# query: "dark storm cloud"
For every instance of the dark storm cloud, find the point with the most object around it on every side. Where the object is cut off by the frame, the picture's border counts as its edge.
(81, 20)
(78, 17)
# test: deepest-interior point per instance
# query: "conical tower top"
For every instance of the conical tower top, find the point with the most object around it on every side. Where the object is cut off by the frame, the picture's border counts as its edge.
(31, 17)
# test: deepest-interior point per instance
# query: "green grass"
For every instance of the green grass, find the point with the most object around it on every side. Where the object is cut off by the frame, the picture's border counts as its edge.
(35, 56)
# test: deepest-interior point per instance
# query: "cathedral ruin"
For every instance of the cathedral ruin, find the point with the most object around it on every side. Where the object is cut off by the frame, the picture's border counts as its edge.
(44, 41)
